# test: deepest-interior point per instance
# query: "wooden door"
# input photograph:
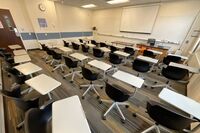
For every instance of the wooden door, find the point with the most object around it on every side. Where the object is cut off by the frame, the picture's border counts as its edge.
(8, 31)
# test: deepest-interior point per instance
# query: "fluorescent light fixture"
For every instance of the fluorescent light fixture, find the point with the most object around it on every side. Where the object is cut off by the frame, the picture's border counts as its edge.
(89, 6)
(117, 1)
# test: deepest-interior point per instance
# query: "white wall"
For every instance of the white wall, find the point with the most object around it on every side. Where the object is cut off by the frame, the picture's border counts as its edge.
(73, 18)
(108, 21)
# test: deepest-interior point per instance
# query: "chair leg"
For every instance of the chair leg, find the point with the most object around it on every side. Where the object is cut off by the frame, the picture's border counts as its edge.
(89, 88)
(157, 129)
(95, 91)
(149, 129)
(112, 106)
(67, 75)
(120, 111)
(20, 125)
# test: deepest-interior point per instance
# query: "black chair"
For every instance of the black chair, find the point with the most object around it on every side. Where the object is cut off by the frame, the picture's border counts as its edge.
(72, 65)
(171, 58)
(75, 46)
(85, 48)
(66, 44)
(149, 54)
(102, 44)
(113, 49)
(49, 55)
(115, 60)
(117, 98)
(38, 120)
(172, 73)
(141, 66)
(98, 53)
(129, 50)
(15, 95)
(81, 40)
(44, 48)
(167, 118)
(57, 57)
(90, 76)
(94, 42)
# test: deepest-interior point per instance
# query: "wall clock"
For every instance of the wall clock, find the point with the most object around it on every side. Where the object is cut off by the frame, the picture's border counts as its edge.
(42, 7)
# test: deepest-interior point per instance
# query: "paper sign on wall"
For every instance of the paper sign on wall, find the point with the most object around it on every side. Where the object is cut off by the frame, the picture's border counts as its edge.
(1, 25)
(42, 22)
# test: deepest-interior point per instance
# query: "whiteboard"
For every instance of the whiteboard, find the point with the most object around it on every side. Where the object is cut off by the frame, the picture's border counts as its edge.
(139, 19)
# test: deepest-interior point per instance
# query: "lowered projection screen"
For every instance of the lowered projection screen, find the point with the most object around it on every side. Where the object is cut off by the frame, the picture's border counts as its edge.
(139, 19)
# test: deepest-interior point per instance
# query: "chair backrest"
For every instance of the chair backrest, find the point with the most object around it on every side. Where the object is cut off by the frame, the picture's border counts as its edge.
(115, 93)
(141, 66)
(114, 59)
(102, 44)
(80, 40)
(168, 117)
(84, 48)
(94, 42)
(88, 74)
(175, 73)
(113, 49)
(98, 52)
(70, 63)
(15, 96)
(66, 44)
(171, 58)
(75, 46)
(38, 121)
(56, 55)
(148, 53)
(129, 50)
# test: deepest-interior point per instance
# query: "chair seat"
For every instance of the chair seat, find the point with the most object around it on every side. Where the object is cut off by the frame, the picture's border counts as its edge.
(174, 73)
(141, 66)
(115, 94)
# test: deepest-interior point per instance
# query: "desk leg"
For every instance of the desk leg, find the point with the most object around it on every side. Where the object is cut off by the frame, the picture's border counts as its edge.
(49, 95)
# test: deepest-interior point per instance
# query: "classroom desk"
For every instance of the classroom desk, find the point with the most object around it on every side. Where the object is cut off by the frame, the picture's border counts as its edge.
(68, 116)
(22, 58)
(129, 79)
(155, 51)
(19, 52)
(28, 68)
(147, 59)
(79, 56)
(65, 49)
(14, 47)
(123, 54)
(189, 68)
(156, 48)
(106, 50)
(182, 57)
(181, 102)
(123, 43)
(43, 84)
(90, 45)
(100, 65)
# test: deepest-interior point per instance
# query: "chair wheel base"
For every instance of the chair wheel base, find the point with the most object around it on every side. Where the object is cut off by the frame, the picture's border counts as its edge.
(134, 115)
(101, 87)
(152, 88)
(123, 121)
(127, 106)
(63, 77)
(155, 82)
(145, 86)
(52, 71)
(19, 127)
(100, 102)
(98, 97)
(103, 117)
(71, 81)
(83, 97)
(62, 71)
(9, 75)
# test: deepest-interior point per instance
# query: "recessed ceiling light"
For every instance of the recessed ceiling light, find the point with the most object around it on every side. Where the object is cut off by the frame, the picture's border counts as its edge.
(117, 1)
(89, 6)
